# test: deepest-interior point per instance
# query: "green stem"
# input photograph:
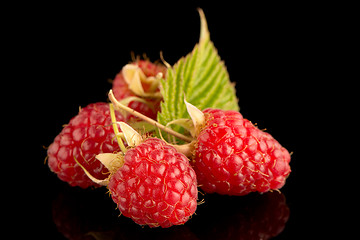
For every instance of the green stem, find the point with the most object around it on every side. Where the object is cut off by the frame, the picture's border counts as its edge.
(116, 130)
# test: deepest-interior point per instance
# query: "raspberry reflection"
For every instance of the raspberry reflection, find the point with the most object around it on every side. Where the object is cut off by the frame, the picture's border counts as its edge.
(90, 214)
(256, 216)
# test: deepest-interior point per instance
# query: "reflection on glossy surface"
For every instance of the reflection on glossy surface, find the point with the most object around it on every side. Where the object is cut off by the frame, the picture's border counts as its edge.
(76, 212)
(90, 214)
(250, 217)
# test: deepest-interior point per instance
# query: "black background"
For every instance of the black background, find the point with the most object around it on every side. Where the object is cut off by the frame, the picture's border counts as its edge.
(66, 54)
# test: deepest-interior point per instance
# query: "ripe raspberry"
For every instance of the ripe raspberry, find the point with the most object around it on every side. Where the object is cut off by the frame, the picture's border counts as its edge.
(121, 89)
(87, 134)
(156, 186)
(234, 157)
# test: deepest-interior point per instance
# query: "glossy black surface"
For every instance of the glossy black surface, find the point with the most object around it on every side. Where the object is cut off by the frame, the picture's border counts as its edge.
(70, 54)
(77, 214)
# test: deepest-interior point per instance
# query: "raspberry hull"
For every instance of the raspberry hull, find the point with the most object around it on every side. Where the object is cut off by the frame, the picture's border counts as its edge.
(156, 186)
(87, 134)
(234, 157)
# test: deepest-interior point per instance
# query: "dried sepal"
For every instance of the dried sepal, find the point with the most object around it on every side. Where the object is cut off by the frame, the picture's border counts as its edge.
(101, 182)
(132, 137)
(134, 77)
(112, 161)
(196, 115)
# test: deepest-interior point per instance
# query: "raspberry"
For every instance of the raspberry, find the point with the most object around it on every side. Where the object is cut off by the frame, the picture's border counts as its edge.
(122, 91)
(156, 186)
(230, 155)
(87, 134)
(234, 157)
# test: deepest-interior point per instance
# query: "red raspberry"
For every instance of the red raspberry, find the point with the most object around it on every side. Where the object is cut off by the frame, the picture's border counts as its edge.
(121, 89)
(156, 186)
(234, 157)
(87, 134)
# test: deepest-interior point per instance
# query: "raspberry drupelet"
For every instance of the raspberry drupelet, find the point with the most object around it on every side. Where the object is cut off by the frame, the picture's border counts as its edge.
(234, 157)
(87, 134)
(156, 186)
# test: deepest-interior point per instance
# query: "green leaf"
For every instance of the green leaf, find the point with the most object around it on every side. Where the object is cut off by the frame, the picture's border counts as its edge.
(201, 77)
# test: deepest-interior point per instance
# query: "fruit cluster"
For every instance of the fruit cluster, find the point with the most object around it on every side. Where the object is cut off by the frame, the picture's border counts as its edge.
(152, 180)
